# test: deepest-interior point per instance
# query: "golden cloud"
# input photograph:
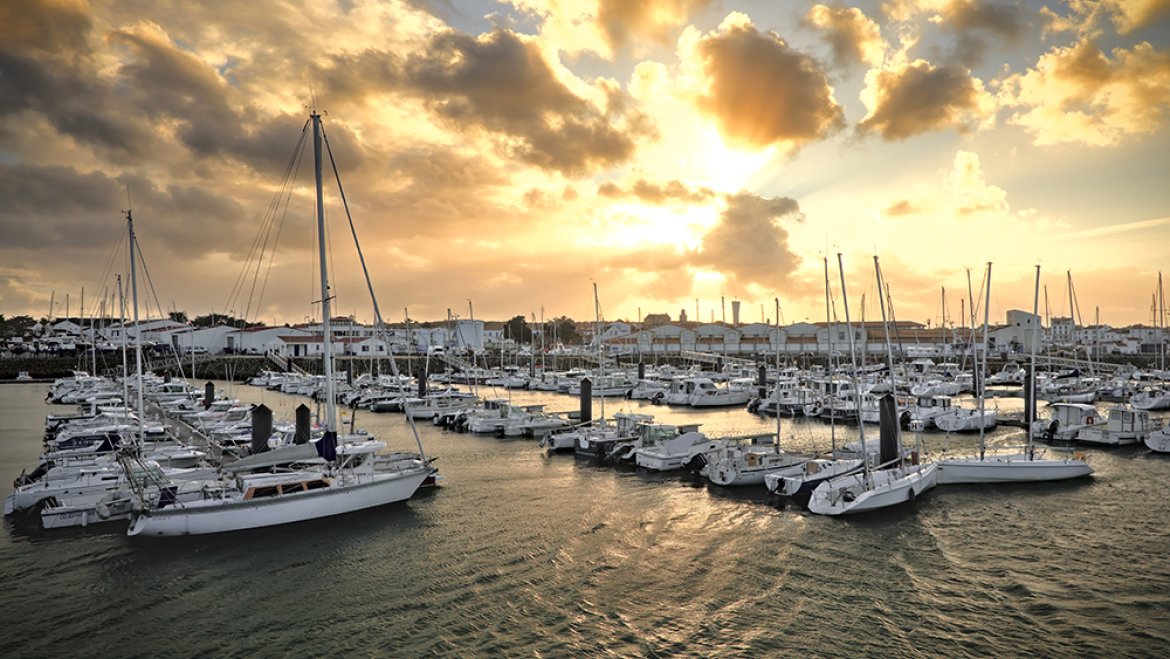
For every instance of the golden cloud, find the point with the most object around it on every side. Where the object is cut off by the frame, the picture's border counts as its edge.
(917, 97)
(853, 36)
(1079, 94)
(762, 92)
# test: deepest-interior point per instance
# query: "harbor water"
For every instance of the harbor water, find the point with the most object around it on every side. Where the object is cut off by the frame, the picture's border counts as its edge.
(522, 553)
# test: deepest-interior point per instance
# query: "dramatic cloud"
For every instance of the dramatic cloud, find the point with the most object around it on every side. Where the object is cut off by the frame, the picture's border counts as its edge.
(854, 38)
(919, 98)
(1130, 15)
(1079, 94)
(46, 66)
(606, 26)
(499, 82)
(762, 92)
(1086, 18)
(623, 21)
(970, 21)
(658, 193)
(748, 244)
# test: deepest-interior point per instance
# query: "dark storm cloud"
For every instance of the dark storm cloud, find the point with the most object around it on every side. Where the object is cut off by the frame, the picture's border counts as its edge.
(60, 207)
(56, 207)
(920, 98)
(46, 67)
(500, 83)
(657, 193)
(764, 92)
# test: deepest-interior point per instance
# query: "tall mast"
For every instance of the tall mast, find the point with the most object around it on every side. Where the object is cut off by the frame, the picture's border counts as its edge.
(853, 356)
(1162, 324)
(1031, 381)
(122, 319)
(889, 346)
(981, 385)
(777, 389)
(829, 360)
(327, 344)
(137, 329)
(600, 347)
(974, 352)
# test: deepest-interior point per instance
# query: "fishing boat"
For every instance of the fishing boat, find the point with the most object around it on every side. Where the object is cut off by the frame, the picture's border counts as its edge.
(351, 478)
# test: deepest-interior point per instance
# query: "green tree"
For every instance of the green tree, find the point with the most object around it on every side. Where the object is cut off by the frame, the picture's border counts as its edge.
(178, 316)
(517, 329)
(563, 329)
(214, 319)
(16, 325)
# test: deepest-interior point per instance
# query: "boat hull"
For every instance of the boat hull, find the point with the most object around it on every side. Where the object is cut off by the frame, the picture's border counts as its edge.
(190, 519)
(847, 495)
(1009, 469)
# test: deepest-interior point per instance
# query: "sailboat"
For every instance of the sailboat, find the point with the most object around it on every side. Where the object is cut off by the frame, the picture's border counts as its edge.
(894, 481)
(1014, 467)
(346, 478)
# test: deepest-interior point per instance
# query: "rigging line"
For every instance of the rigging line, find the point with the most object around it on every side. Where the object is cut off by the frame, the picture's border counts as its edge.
(286, 196)
(237, 286)
(285, 193)
(379, 326)
(150, 283)
(283, 218)
(113, 256)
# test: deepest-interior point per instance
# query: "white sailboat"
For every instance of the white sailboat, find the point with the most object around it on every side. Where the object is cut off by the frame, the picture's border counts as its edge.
(1011, 467)
(352, 478)
(870, 489)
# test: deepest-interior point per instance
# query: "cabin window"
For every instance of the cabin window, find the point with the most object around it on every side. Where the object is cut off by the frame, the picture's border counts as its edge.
(290, 488)
(316, 485)
(267, 491)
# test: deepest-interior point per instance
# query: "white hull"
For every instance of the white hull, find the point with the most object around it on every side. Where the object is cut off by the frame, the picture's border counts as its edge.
(788, 485)
(558, 442)
(1008, 469)
(737, 477)
(966, 421)
(1159, 441)
(659, 461)
(890, 487)
(218, 516)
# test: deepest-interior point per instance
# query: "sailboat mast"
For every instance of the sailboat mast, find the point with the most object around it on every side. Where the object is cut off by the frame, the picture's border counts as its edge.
(600, 346)
(974, 352)
(982, 384)
(1031, 381)
(829, 360)
(125, 362)
(889, 346)
(1161, 324)
(327, 344)
(137, 329)
(853, 357)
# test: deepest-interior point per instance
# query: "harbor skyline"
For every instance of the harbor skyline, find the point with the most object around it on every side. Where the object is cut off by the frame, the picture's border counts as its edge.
(677, 153)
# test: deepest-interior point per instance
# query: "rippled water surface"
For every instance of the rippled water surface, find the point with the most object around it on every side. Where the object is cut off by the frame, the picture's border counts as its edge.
(519, 553)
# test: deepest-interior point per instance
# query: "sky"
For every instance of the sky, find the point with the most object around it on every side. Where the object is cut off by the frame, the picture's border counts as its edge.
(499, 159)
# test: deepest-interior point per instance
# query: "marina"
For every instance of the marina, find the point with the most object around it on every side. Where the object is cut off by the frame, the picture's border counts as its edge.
(520, 548)
(667, 328)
